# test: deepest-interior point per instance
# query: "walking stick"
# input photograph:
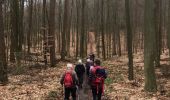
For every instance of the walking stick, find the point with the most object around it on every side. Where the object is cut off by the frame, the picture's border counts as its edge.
(78, 98)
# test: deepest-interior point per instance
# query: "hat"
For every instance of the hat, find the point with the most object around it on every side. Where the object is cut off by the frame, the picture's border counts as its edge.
(69, 66)
(88, 60)
(80, 61)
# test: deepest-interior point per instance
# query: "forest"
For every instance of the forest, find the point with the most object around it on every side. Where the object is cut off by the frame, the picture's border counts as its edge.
(38, 38)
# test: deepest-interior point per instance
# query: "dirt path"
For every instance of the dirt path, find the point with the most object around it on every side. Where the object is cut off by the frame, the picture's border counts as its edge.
(85, 93)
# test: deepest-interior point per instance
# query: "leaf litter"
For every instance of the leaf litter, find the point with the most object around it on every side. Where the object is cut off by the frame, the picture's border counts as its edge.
(40, 84)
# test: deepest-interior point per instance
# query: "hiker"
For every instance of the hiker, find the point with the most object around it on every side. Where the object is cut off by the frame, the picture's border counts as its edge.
(97, 77)
(69, 80)
(89, 63)
(80, 70)
(92, 57)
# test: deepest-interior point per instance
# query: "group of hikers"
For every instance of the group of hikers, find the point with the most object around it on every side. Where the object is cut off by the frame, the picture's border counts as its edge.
(72, 78)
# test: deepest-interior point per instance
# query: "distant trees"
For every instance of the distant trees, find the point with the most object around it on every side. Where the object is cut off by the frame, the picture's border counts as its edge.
(117, 26)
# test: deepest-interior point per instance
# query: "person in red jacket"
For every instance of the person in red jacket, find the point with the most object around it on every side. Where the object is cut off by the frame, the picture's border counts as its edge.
(97, 77)
(69, 80)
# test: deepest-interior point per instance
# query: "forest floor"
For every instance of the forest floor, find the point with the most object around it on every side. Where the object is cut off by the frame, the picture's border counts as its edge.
(35, 83)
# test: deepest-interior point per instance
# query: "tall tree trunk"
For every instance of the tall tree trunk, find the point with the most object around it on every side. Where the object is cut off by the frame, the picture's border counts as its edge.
(102, 30)
(14, 29)
(129, 40)
(117, 29)
(21, 32)
(65, 28)
(3, 63)
(59, 25)
(30, 25)
(149, 46)
(158, 25)
(44, 31)
(52, 32)
(168, 33)
(82, 36)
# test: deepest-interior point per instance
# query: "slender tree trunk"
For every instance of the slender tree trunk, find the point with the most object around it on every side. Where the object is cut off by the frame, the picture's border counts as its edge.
(102, 30)
(65, 28)
(82, 36)
(3, 63)
(158, 25)
(14, 29)
(59, 25)
(117, 29)
(21, 33)
(30, 25)
(129, 40)
(44, 31)
(149, 44)
(52, 32)
(168, 33)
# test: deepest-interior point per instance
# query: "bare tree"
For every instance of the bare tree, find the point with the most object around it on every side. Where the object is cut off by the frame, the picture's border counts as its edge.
(129, 40)
(3, 63)
(65, 29)
(149, 44)
(52, 32)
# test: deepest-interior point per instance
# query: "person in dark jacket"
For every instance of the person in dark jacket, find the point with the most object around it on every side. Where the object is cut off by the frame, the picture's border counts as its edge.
(89, 63)
(72, 89)
(92, 57)
(80, 70)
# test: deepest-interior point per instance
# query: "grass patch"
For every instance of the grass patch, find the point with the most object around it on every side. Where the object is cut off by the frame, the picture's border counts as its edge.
(168, 94)
(19, 70)
(52, 95)
(118, 78)
(108, 81)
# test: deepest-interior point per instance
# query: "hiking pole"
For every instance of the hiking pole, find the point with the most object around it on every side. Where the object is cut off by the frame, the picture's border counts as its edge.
(78, 98)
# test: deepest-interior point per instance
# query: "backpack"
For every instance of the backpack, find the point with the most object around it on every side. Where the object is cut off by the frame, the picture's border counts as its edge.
(99, 77)
(68, 80)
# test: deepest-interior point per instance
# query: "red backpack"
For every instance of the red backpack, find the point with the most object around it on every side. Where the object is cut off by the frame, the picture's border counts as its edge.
(68, 80)
(99, 77)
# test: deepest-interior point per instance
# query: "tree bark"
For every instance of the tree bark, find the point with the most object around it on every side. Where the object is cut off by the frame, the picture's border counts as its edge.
(65, 28)
(158, 25)
(52, 33)
(129, 40)
(3, 63)
(149, 46)
(168, 33)
(14, 29)
(44, 31)
(82, 36)
(102, 30)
